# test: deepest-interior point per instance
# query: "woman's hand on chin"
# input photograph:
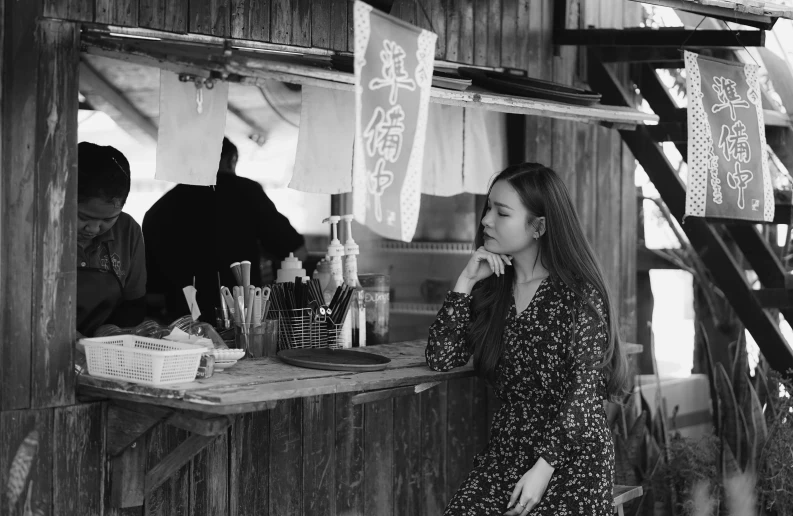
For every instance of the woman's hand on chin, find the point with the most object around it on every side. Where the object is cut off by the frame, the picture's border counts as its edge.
(482, 265)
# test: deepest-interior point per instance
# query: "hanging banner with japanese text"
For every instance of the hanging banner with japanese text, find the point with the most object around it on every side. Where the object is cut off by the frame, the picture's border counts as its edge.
(728, 174)
(393, 74)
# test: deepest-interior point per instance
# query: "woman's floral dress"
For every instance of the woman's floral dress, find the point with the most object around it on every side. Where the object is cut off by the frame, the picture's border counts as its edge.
(552, 403)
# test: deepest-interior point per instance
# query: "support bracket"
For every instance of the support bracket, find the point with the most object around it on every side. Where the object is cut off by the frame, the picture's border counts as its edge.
(128, 423)
(384, 394)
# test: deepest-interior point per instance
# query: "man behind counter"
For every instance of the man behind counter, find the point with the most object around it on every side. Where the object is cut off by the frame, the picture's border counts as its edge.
(198, 231)
(111, 267)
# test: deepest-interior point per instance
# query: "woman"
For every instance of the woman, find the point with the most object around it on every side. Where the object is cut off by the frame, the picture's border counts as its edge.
(111, 261)
(532, 307)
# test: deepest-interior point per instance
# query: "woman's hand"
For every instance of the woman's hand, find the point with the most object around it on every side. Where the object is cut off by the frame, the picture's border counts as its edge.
(529, 490)
(482, 265)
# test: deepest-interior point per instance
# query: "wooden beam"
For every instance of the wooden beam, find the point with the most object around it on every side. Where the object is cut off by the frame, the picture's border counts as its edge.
(127, 475)
(759, 21)
(669, 132)
(174, 461)
(100, 92)
(129, 421)
(125, 425)
(783, 213)
(658, 56)
(384, 394)
(776, 119)
(680, 115)
(775, 297)
(676, 132)
(651, 259)
(251, 68)
(780, 139)
(704, 238)
(622, 494)
(197, 424)
(666, 37)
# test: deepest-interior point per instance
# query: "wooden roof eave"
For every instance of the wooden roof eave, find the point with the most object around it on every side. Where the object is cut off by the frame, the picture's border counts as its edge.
(252, 67)
(759, 19)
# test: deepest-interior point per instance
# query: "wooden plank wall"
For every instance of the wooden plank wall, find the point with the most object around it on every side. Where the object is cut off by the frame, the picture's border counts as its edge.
(483, 32)
(307, 456)
(317, 455)
(597, 167)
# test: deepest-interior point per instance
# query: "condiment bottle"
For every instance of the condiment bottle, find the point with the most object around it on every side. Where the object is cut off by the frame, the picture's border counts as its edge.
(357, 314)
(335, 252)
(322, 272)
(291, 268)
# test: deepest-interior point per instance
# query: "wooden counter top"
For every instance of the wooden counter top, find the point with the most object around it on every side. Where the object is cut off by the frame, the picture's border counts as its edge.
(255, 384)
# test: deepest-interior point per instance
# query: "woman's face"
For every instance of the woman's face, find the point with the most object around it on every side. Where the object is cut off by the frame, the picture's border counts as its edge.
(506, 221)
(95, 216)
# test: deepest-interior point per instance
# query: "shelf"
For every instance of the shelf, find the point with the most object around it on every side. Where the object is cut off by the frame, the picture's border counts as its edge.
(453, 248)
(428, 309)
(252, 67)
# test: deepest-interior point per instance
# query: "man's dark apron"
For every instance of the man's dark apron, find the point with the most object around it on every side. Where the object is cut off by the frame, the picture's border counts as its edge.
(99, 292)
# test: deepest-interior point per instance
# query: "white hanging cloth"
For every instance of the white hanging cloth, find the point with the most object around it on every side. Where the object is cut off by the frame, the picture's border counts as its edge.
(465, 147)
(443, 151)
(484, 147)
(191, 128)
(323, 160)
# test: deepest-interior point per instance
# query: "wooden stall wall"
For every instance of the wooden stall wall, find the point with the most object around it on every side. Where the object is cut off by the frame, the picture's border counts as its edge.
(312, 456)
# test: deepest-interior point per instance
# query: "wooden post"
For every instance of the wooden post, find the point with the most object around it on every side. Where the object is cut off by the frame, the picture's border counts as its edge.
(16, 224)
(55, 240)
(38, 217)
(645, 301)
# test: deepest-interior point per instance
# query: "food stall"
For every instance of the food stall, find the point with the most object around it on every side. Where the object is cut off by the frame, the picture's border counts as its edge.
(264, 437)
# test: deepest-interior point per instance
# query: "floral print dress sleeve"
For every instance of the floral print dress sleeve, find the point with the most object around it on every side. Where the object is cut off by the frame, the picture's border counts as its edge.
(447, 346)
(585, 386)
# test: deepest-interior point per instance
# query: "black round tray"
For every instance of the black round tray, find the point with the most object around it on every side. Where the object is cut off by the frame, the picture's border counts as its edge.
(510, 84)
(334, 359)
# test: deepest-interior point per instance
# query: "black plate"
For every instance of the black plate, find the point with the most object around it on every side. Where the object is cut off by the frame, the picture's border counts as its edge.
(527, 87)
(334, 359)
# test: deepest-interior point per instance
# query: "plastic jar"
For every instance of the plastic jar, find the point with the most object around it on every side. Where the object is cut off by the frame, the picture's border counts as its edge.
(378, 298)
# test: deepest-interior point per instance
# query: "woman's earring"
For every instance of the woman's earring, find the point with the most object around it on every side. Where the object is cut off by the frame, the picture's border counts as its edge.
(536, 236)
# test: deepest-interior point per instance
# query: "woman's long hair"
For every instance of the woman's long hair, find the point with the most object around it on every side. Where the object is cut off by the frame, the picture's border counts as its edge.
(568, 257)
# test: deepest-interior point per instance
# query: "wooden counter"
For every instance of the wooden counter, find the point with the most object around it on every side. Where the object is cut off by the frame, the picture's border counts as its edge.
(265, 437)
(254, 384)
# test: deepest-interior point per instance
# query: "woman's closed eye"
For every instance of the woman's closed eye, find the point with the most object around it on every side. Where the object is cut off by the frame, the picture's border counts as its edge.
(499, 213)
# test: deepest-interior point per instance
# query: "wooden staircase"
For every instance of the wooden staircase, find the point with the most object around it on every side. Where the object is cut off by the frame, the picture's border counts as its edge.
(707, 238)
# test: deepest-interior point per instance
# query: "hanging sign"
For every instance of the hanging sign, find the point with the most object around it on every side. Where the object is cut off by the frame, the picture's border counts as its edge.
(728, 174)
(393, 74)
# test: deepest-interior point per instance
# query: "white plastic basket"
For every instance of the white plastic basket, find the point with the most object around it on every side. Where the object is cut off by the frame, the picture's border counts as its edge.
(142, 359)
